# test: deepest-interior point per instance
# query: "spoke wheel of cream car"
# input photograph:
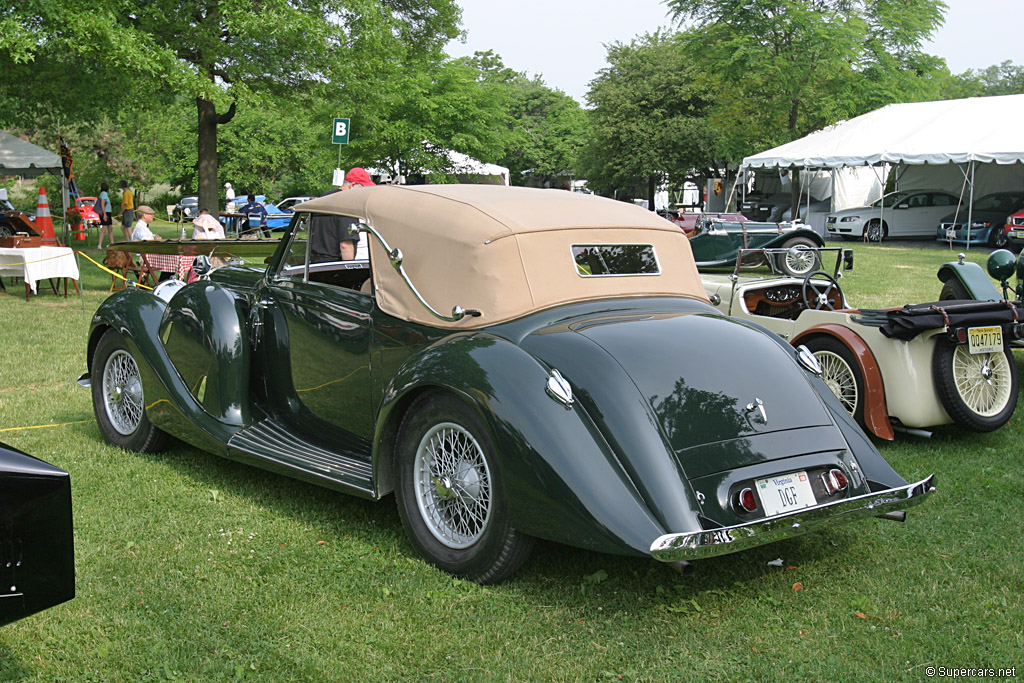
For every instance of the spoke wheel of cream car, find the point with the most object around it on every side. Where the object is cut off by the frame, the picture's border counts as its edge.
(841, 373)
(979, 390)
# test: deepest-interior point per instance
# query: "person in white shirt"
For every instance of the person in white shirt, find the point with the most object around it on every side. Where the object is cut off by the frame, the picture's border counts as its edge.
(141, 232)
(206, 227)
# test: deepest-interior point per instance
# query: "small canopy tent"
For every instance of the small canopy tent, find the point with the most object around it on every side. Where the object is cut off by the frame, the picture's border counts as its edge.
(977, 142)
(22, 158)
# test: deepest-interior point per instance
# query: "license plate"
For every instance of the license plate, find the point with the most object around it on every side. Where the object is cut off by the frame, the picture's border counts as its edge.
(1019, 234)
(985, 339)
(951, 234)
(785, 493)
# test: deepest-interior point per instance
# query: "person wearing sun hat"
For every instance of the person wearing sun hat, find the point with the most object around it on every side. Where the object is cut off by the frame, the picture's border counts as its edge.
(141, 232)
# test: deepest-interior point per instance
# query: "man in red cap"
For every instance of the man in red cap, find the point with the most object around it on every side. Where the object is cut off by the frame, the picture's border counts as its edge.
(329, 236)
(357, 176)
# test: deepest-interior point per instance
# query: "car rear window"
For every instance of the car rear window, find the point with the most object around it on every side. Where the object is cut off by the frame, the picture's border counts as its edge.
(598, 260)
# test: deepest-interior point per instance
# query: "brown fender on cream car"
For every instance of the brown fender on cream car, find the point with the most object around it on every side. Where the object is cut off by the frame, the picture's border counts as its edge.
(876, 414)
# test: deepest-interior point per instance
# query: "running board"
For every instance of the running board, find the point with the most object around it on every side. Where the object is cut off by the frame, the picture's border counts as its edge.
(270, 445)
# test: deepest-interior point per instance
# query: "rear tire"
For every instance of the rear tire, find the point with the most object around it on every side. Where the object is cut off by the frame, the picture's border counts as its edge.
(841, 373)
(451, 495)
(118, 399)
(979, 391)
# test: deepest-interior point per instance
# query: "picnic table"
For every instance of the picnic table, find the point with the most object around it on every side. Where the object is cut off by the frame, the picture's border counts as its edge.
(33, 264)
(166, 263)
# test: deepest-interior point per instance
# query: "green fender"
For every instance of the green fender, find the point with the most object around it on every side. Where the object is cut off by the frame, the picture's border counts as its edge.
(563, 481)
(194, 357)
(972, 277)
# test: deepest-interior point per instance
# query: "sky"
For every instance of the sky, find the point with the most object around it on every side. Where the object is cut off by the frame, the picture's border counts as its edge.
(563, 40)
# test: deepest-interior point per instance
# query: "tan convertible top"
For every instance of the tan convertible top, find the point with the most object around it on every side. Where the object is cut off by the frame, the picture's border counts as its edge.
(504, 251)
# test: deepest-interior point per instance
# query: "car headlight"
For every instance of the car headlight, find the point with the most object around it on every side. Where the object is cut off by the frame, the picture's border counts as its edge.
(849, 219)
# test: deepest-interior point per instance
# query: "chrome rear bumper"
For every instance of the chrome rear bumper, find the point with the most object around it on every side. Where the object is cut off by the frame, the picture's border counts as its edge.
(700, 544)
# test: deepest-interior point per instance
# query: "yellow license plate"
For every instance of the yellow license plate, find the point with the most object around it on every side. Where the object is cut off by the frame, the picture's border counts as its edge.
(985, 339)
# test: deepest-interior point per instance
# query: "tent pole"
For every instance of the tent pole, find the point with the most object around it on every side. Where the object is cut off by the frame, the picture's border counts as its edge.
(970, 208)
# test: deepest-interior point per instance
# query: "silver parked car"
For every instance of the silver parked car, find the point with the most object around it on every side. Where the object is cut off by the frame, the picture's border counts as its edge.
(898, 215)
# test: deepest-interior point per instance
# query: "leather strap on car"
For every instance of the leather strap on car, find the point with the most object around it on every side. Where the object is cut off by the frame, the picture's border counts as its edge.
(941, 311)
(1012, 307)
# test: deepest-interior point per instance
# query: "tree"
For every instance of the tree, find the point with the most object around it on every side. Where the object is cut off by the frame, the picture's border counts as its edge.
(546, 129)
(789, 67)
(218, 53)
(999, 79)
(649, 118)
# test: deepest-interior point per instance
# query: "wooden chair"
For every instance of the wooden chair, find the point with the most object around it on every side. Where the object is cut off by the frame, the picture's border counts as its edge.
(122, 262)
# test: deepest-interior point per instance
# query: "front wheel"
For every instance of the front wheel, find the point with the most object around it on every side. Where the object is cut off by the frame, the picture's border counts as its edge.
(978, 390)
(451, 495)
(118, 399)
(875, 231)
(997, 238)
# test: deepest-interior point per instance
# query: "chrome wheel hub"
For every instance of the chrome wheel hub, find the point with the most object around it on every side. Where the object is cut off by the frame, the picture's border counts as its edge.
(122, 392)
(452, 485)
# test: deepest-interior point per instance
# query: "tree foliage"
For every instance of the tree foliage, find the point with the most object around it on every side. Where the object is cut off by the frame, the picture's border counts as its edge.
(649, 118)
(788, 67)
(217, 52)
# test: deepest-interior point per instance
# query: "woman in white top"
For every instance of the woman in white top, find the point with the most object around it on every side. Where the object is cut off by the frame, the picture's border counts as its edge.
(206, 227)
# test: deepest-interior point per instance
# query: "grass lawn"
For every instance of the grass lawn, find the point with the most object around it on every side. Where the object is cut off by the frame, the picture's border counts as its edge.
(191, 567)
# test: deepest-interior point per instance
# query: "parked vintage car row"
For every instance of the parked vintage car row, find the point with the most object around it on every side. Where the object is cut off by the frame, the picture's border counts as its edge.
(556, 374)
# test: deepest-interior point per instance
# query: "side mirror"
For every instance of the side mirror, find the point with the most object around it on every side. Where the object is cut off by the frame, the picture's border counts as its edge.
(847, 259)
(903, 206)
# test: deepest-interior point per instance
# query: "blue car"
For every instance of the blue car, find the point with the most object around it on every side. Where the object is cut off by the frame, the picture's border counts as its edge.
(988, 216)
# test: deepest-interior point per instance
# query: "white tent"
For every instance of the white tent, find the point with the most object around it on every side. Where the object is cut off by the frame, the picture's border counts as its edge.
(20, 157)
(978, 129)
(973, 145)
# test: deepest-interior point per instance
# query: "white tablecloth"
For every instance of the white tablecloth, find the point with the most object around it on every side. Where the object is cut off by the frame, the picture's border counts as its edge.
(38, 263)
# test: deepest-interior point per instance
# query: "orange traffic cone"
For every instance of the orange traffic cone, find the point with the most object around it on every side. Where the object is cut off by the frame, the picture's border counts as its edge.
(44, 224)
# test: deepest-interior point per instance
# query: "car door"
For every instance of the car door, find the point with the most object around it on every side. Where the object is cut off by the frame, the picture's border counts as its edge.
(313, 326)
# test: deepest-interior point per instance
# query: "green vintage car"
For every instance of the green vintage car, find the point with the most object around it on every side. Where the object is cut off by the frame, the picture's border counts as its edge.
(512, 364)
(716, 243)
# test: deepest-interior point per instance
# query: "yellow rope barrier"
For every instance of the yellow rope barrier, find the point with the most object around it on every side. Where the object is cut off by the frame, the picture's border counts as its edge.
(59, 424)
(109, 271)
(28, 263)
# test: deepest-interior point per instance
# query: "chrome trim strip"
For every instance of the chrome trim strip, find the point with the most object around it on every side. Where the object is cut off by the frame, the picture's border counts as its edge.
(395, 255)
(712, 542)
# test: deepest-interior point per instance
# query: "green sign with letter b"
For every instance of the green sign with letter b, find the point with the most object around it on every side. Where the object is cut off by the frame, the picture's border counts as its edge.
(341, 130)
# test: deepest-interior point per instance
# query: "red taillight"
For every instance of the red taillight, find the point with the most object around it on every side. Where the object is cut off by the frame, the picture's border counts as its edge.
(745, 501)
(835, 480)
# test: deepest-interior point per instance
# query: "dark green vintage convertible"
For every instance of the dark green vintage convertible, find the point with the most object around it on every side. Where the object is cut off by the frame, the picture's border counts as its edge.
(512, 363)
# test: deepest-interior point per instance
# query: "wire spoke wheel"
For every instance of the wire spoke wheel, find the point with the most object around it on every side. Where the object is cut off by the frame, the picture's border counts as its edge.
(122, 392)
(839, 378)
(452, 485)
(982, 380)
(800, 260)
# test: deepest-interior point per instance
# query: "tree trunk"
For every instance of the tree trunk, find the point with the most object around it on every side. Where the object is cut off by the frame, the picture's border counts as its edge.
(650, 192)
(206, 168)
